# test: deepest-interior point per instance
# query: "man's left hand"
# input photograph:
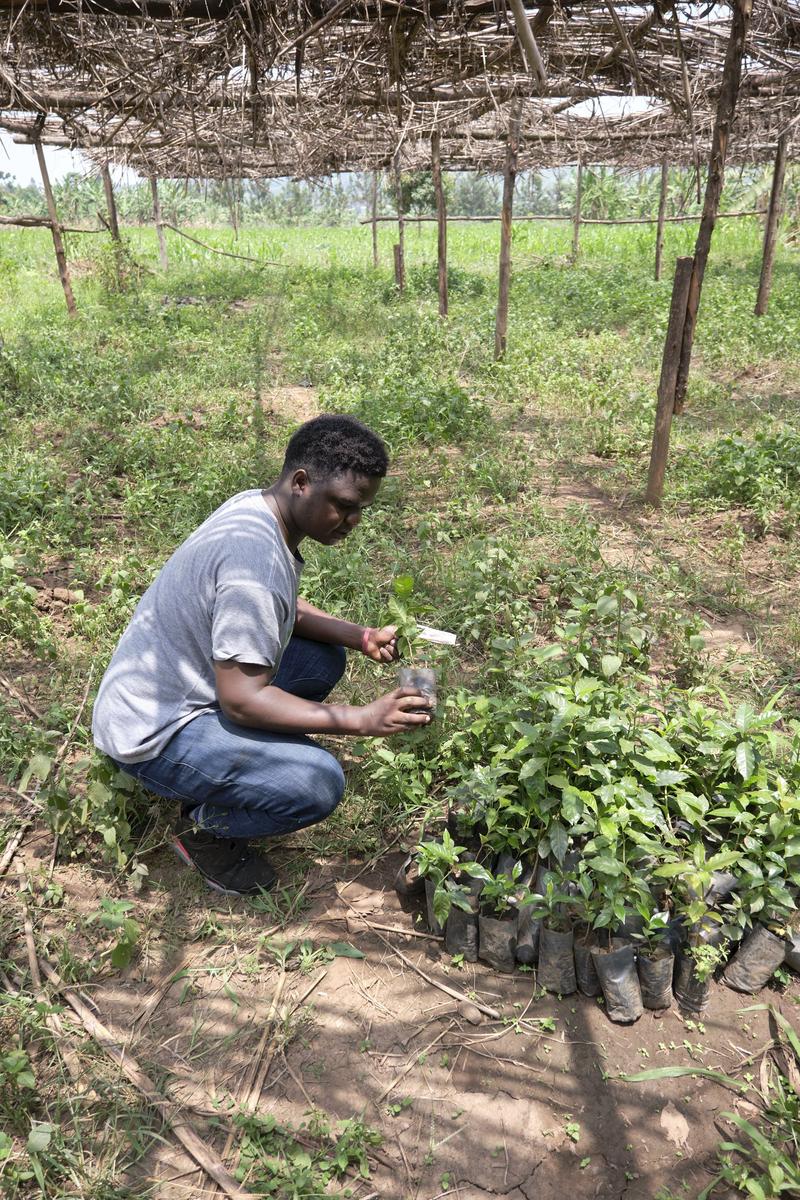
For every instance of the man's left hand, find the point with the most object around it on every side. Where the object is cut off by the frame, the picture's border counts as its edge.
(381, 644)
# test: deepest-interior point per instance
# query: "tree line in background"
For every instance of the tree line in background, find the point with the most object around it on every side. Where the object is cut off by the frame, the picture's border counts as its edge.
(607, 193)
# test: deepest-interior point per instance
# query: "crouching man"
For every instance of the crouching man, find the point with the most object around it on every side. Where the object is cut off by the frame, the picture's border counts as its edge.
(224, 671)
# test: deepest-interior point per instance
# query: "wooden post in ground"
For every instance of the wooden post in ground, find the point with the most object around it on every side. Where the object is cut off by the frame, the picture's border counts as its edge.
(506, 214)
(576, 220)
(55, 227)
(400, 245)
(662, 212)
(159, 223)
(374, 218)
(441, 222)
(111, 205)
(726, 107)
(771, 228)
(666, 386)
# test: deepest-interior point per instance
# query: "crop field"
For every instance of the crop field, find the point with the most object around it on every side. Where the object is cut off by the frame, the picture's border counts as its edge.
(620, 717)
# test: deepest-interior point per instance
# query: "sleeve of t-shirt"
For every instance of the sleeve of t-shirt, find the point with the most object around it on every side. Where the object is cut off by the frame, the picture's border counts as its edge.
(247, 622)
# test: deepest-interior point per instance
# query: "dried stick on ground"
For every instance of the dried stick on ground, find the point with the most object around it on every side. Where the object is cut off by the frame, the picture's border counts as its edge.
(257, 1074)
(13, 845)
(14, 691)
(414, 1062)
(52, 1020)
(262, 1071)
(484, 1008)
(62, 750)
(261, 262)
(190, 1141)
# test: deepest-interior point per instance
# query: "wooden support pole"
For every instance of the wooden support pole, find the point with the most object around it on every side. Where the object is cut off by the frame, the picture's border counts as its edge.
(750, 212)
(400, 245)
(662, 212)
(374, 218)
(441, 222)
(55, 227)
(111, 205)
(576, 220)
(726, 107)
(506, 214)
(771, 227)
(162, 241)
(530, 49)
(666, 386)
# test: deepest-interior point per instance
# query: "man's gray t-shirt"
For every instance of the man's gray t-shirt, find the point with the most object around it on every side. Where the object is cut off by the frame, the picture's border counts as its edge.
(229, 592)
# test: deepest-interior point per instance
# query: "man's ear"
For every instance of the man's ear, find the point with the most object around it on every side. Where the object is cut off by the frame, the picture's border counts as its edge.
(300, 482)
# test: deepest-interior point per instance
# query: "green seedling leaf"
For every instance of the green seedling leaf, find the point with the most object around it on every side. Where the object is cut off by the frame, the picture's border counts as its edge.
(610, 664)
(606, 606)
(668, 778)
(39, 766)
(745, 759)
(545, 653)
(122, 954)
(39, 1138)
(559, 840)
(345, 950)
(403, 586)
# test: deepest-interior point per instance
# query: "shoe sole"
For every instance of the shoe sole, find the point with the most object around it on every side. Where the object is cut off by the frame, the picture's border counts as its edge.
(183, 854)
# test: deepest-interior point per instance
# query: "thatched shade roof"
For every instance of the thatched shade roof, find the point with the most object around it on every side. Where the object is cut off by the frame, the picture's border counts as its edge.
(263, 89)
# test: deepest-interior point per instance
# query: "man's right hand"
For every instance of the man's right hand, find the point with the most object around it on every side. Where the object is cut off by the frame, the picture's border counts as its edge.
(392, 713)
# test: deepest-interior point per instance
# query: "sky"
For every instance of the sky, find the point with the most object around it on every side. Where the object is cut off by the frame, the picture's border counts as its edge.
(20, 162)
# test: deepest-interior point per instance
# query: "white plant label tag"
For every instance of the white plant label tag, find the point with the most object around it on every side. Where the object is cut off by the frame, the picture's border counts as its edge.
(437, 635)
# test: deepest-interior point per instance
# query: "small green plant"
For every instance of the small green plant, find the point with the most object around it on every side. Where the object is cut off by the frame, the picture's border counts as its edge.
(573, 1131)
(113, 916)
(762, 473)
(501, 891)
(401, 616)
(442, 864)
(654, 926)
(394, 1110)
(17, 1086)
(302, 1162)
(707, 958)
(553, 903)
(762, 1160)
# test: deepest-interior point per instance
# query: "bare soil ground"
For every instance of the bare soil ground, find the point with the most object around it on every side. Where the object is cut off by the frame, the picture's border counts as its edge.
(635, 538)
(527, 1106)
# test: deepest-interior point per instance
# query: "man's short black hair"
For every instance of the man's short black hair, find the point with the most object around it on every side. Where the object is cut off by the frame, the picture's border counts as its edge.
(333, 445)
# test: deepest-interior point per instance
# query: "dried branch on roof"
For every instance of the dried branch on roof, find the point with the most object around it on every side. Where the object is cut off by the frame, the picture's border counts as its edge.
(217, 87)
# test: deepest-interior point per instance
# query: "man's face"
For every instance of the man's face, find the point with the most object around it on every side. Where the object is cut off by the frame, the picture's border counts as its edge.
(327, 510)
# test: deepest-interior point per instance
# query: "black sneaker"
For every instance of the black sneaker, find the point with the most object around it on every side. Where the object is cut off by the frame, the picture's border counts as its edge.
(228, 865)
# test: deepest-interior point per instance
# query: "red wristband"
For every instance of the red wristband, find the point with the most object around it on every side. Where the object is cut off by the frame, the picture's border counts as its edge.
(365, 638)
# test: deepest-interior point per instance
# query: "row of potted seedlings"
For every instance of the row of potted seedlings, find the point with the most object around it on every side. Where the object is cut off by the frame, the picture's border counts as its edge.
(621, 836)
(638, 944)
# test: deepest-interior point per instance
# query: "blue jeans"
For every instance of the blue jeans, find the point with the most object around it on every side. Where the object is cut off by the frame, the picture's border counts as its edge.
(248, 783)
